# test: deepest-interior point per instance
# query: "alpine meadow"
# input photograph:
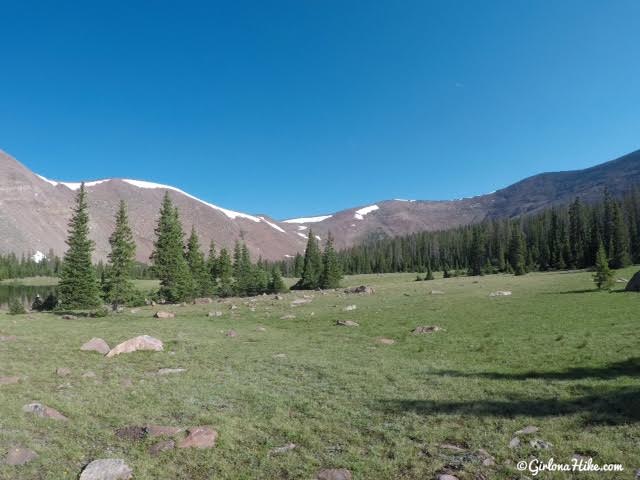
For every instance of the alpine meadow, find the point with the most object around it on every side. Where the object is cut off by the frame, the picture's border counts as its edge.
(365, 311)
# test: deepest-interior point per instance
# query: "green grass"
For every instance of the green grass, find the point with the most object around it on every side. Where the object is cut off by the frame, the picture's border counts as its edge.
(556, 354)
(31, 281)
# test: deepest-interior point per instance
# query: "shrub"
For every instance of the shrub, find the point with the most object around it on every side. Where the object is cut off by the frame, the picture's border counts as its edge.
(16, 307)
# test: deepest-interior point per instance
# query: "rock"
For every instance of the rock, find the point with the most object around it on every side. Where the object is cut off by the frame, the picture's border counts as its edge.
(203, 301)
(334, 474)
(162, 431)
(514, 443)
(214, 314)
(131, 433)
(621, 280)
(453, 448)
(361, 289)
(69, 317)
(89, 374)
(540, 444)
(143, 342)
(43, 411)
(8, 338)
(199, 437)
(63, 371)
(634, 283)
(287, 317)
(278, 297)
(107, 469)
(231, 333)
(347, 323)
(527, 430)
(300, 301)
(386, 341)
(19, 456)
(280, 355)
(96, 345)
(260, 329)
(487, 458)
(426, 329)
(349, 308)
(446, 476)
(168, 371)
(134, 311)
(500, 293)
(233, 307)
(160, 447)
(162, 314)
(126, 383)
(283, 449)
(9, 380)
(437, 292)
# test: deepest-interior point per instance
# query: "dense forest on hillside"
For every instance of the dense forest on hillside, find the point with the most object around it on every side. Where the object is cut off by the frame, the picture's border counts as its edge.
(558, 238)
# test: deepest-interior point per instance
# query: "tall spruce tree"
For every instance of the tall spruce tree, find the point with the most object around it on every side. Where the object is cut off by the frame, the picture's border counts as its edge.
(79, 287)
(212, 265)
(517, 251)
(168, 259)
(117, 285)
(225, 274)
(276, 284)
(477, 252)
(312, 268)
(331, 270)
(197, 265)
(620, 257)
(603, 277)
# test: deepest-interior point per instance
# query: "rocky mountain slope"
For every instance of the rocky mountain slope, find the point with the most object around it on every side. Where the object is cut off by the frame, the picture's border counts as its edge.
(34, 211)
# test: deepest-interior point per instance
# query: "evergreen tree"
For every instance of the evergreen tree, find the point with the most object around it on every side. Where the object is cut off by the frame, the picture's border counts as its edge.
(225, 274)
(298, 265)
(429, 275)
(276, 284)
(78, 287)
(603, 277)
(312, 268)
(212, 266)
(168, 259)
(477, 253)
(117, 284)
(577, 235)
(331, 270)
(516, 251)
(242, 271)
(197, 266)
(619, 240)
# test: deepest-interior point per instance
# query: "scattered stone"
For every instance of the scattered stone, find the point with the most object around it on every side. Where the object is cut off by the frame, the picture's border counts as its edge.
(199, 437)
(261, 329)
(233, 307)
(349, 308)
(162, 431)
(446, 476)
(19, 456)
(500, 293)
(426, 329)
(334, 474)
(63, 371)
(69, 317)
(634, 283)
(361, 289)
(488, 459)
(347, 323)
(8, 338)
(162, 314)
(214, 314)
(540, 444)
(437, 292)
(43, 411)
(514, 443)
(579, 458)
(168, 371)
(283, 449)
(287, 317)
(453, 448)
(280, 355)
(386, 341)
(132, 433)
(143, 342)
(231, 333)
(278, 297)
(527, 430)
(160, 447)
(203, 301)
(134, 310)
(89, 374)
(107, 469)
(126, 383)
(300, 301)
(9, 380)
(96, 345)
(621, 280)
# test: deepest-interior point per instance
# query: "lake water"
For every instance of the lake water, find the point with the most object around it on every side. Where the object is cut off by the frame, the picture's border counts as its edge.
(26, 294)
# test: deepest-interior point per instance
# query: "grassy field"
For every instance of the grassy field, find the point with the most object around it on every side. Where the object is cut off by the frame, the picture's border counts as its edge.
(556, 355)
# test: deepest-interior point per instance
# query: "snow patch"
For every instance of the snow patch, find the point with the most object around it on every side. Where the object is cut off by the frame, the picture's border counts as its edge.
(302, 227)
(273, 225)
(308, 219)
(52, 182)
(403, 200)
(229, 213)
(38, 256)
(301, 235)
(318, 237)
(288, 256)
(359, 215)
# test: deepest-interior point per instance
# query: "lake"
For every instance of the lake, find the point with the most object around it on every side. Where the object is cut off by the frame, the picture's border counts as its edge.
(25, 293)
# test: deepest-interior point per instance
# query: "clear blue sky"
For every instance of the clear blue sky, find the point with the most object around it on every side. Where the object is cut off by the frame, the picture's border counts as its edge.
(304, 107)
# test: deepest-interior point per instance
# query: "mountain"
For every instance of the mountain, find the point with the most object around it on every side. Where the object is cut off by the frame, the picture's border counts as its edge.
(34, 211)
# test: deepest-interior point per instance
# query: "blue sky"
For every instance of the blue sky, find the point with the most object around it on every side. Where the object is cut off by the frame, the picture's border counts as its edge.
(305, 107)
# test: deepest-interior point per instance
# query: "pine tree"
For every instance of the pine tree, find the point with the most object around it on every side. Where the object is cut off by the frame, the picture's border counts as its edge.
(620, 239)
(225, 274)
(477, 253)
(78, 287)
(331, 270)
(168, 259)
(516, 251)
(197, 266)
(577, 235)
(603, 277)
(312, 268)
(243, 271)
(276, 284)
(429, 275)
(117, 285)
(212, 264)
(298, 265)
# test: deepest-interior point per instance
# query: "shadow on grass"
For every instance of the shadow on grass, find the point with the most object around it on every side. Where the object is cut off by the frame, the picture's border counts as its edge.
(609, 406)
(629, 367)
